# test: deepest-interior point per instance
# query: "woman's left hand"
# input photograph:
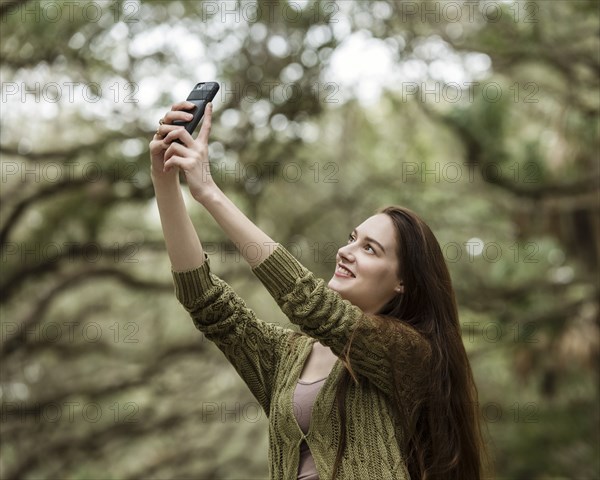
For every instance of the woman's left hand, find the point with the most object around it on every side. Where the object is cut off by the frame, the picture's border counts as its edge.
(191, 156)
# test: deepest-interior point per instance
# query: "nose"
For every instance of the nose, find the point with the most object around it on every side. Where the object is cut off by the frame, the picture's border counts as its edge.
(345, 253)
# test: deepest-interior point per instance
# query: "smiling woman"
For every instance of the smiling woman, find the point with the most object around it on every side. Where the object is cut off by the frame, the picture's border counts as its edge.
(377, 384)
(366, 272)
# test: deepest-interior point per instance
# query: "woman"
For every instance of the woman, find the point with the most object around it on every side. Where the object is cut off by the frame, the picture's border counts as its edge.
(378, 385)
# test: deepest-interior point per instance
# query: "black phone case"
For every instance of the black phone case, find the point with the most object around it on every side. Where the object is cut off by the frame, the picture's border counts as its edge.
(201, 95)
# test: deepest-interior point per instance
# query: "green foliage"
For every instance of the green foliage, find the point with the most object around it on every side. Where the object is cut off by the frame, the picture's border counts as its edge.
(508, 183)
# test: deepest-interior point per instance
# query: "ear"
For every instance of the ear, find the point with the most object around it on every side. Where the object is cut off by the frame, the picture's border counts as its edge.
(399, 288)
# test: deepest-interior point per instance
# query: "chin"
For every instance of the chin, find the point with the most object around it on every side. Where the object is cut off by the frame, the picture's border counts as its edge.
(336, 287)
(334, 284)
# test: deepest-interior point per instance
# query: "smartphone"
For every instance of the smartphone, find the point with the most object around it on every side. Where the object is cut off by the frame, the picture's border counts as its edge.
(201, 95)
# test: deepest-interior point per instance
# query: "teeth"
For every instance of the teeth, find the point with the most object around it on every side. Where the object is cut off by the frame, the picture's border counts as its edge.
(344, 270)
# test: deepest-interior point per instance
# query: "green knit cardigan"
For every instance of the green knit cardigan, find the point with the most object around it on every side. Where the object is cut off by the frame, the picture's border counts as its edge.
(390, 360)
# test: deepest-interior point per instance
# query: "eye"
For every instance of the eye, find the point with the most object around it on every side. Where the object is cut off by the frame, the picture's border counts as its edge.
(369, 247)
(351, 238)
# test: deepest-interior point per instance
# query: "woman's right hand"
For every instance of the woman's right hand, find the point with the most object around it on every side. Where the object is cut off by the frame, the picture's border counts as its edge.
(158, 146)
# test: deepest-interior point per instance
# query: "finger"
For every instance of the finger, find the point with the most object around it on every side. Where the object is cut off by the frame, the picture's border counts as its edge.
(181, 134)
(185, 105)
(166, 128)
(206, 124)
(176, 161)
(173, 115)
(157, 144)
(167, 167)
(175, 149)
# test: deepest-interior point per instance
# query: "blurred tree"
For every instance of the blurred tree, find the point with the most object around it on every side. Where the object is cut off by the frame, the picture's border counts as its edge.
(99, 373)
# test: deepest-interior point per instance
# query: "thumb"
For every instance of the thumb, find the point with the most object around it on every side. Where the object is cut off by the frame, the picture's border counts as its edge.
(206, 124)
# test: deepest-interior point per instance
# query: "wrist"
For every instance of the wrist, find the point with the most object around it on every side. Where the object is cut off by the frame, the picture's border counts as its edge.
(210, 194)
(161, 178)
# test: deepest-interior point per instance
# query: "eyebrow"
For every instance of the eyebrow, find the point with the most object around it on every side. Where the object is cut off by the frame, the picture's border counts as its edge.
(372, 240)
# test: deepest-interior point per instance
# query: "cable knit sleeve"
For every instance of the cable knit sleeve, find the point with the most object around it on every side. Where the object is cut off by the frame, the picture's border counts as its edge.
(389, 354)
(251, 345)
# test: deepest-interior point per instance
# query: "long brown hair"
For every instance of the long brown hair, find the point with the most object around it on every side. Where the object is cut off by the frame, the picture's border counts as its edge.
(447, 442)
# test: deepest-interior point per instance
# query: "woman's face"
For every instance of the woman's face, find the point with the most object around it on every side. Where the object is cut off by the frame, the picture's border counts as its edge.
(366, 269)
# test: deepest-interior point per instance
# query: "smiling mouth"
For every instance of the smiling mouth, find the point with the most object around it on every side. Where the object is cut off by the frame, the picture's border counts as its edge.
(342, 271)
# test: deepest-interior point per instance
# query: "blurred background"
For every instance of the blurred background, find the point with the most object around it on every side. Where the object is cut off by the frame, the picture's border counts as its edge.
(480, 116)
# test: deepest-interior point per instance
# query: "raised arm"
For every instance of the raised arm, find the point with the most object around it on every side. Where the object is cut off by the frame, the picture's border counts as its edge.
(192, 158)
(252, 346)
(392, 355)
(183, 245)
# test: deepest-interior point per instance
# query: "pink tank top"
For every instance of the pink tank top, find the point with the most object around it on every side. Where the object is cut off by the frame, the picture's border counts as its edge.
(304, 398)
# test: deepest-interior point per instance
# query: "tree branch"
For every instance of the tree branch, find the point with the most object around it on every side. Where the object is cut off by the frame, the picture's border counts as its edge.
(96, 440)
(74, 280)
